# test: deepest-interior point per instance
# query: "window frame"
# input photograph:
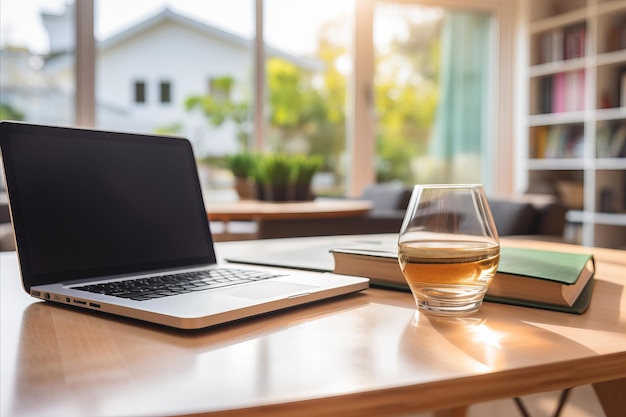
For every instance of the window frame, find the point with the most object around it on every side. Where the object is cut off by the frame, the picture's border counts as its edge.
(139, 92)
(165, 92)
(360, 126)
(498, 174)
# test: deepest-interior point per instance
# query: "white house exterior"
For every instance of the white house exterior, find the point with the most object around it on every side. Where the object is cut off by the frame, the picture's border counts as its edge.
(170, 49)
(184, 54)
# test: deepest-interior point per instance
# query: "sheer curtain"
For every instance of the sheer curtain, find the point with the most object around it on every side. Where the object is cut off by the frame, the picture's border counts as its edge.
(460, 130)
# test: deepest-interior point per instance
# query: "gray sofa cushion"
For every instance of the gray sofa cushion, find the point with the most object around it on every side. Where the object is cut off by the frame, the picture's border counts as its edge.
(387, 196)
(513, 217)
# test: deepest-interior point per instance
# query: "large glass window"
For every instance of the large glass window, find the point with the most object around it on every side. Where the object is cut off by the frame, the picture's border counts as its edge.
(37, 44)
(187, 67)
(432, 93)
(194, 58)
(307, 68)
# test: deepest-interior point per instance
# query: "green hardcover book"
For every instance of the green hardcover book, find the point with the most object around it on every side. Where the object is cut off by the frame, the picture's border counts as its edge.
(549, 280)
(545, 279)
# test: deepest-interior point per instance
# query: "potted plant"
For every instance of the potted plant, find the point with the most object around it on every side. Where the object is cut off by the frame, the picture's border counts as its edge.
(274, 174)
(304, 168)
(243, 166)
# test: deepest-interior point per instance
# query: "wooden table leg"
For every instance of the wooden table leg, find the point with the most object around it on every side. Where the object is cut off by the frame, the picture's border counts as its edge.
(612, 397)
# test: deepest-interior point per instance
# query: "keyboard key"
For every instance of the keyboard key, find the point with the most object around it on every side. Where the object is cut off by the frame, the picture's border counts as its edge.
(143, 289)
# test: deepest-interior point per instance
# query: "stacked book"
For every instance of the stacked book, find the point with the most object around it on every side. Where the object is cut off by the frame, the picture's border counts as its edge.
(550, 280)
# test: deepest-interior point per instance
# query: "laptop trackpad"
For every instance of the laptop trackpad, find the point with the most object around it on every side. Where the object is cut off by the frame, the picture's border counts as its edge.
(261, 290)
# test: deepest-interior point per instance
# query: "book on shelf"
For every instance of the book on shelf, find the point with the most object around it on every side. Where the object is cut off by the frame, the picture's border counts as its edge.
(562, 44)
(562, 92)
(554, 142)
(613, 94)
(558, 93)
(603, 141)
(559, 141)
(574, 41)
(545, 94)
(551, 280)
(551, 46)
(611, 140)
(575, 90)
(538, 150)
(617, 145)
(616, 37)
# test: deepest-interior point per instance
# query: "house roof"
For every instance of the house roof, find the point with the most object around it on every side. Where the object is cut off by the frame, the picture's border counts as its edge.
(166, 14)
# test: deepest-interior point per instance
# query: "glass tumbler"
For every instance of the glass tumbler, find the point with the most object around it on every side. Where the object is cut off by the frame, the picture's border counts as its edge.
(448, 248)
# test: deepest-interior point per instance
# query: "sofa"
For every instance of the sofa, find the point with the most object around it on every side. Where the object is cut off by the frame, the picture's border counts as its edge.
(538, 216)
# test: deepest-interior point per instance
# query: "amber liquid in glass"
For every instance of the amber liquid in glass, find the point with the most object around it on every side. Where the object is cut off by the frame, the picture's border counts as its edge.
(448, 272)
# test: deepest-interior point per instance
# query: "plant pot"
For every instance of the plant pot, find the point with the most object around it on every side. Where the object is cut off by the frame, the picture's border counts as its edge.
(260, 191)
(276, 192)
(246, 188)
(302, 192)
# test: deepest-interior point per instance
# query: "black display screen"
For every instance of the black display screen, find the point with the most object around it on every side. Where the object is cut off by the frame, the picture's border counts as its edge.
(89, 203)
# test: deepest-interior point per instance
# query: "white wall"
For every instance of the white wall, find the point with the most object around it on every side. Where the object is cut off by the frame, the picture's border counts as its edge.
(184, 57)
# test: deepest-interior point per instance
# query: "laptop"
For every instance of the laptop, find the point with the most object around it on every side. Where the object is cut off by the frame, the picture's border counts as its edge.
(115, 222)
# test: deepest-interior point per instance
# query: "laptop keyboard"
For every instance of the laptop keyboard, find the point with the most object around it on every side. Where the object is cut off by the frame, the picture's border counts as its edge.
(142, 289)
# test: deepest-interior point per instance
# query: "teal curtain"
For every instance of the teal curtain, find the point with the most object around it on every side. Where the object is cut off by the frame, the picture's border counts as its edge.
(459, 131)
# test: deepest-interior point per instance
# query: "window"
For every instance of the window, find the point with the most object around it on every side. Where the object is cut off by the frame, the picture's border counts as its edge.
(431, 93)
(338, 100)
(176, 47)
(140, 92)
(307, 71)
(496, 123)
(37, 80)
(165, 88)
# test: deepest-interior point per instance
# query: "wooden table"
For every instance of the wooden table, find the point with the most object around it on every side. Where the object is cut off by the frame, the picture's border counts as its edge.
(265, 210)
(364, 354)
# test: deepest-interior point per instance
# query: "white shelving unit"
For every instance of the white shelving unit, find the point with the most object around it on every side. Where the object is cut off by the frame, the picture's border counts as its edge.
(577, 113)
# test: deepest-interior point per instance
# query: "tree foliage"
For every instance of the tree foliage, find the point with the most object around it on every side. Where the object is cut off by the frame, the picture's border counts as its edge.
(8, 112)
(218, 107)
(406, 100)
(312, 107)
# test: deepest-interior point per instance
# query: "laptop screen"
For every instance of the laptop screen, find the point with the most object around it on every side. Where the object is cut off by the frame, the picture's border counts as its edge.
(89, 203)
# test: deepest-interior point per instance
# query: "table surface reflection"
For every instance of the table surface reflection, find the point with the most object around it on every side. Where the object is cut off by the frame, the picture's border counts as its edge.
(362, 354)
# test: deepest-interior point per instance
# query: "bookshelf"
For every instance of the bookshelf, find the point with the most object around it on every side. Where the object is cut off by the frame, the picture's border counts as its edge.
(575, 133)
